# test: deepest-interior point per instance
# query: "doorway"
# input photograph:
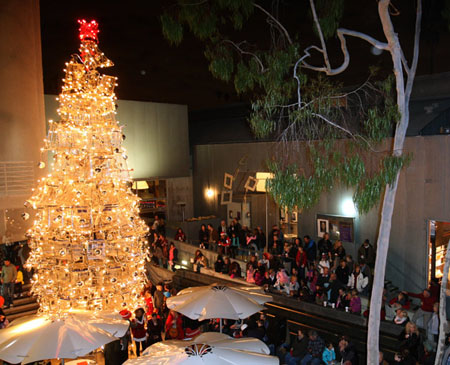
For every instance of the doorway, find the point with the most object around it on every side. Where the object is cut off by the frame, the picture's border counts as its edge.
(438, 239)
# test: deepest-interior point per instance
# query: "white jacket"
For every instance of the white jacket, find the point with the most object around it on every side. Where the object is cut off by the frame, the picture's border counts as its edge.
(361, 282)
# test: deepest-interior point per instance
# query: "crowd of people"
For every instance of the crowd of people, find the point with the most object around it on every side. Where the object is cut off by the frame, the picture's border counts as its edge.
(154, 322)
(321, 273)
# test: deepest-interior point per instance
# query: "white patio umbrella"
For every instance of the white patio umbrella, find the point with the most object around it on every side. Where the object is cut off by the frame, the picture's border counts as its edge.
(108, 321)
(217, 301)
(35, 338)
(208, 348)
(254, 292)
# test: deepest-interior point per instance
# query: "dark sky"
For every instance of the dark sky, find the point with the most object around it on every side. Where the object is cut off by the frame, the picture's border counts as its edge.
(150, 69)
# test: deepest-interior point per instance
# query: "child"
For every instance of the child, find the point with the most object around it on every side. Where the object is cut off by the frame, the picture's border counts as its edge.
(282, 279)
(355, 302)
(148, 302)
(401, 317)
(292, 289)
(328, 355)
(342, 301)
(433, 325)
(324, 263)
(19, 283)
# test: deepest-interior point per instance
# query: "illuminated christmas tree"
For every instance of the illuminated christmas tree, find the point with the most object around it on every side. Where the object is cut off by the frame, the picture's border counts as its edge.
(87, 243)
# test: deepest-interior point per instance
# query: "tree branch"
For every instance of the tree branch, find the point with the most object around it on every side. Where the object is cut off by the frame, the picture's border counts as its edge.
(341, 33)
(319, 31)
(377, 44)
(282, 28)
(237, 46)
(412, 71)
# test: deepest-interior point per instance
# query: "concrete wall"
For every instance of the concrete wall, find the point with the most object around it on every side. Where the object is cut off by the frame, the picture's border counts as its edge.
(423, 194)
(22, 123)
(157, 136)
(179, 189)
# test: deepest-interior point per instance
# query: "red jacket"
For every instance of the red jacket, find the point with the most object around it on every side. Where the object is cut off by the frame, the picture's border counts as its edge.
(138, 329)
(179, 327)
(301, 258)
(406, 306)
(149, 306)
(427, 303)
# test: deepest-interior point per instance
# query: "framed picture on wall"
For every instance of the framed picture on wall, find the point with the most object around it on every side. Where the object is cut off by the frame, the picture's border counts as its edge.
(226, 197)
(250, 184)
(228, 181)
(294, 217)
(322, 227)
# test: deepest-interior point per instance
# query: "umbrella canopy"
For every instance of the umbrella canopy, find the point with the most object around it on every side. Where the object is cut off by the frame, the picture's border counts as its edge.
(208, 348)
(254, 292)
(107, 321)
(35, 338)
(216, 301)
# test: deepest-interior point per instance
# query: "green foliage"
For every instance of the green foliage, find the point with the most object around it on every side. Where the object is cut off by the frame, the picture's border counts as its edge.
(221, 62)
(320, 118)
(446, 12)
(172, 30)
(329, 14)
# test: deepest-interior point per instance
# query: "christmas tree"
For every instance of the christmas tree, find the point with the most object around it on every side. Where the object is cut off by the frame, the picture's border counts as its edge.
(87, 242)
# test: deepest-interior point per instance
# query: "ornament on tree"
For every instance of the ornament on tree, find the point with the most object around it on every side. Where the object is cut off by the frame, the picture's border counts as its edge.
(86, 210)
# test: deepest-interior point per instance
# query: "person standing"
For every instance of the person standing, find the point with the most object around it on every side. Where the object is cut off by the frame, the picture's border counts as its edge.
(366, 253)
(139, 331)
(426, 309)
(325, 246)
(8, 277)
(310, 248)
(154, 329)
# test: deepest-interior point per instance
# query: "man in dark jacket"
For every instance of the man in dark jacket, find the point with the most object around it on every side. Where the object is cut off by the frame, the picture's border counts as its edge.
(325, 246)
(298, 351)
(343, 272)
(158, 298)
(366, 252)
(348, 351)
(315, 349)
(310, 248)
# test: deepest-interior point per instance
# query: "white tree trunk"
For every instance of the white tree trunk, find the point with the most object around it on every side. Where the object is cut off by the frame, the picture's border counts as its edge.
(403, 94)
(442, 309)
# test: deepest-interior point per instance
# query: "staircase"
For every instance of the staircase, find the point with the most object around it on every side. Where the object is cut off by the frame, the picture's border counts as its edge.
(24, 306)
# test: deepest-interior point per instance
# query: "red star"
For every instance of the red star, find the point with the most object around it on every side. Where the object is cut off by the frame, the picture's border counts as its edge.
(88, 31)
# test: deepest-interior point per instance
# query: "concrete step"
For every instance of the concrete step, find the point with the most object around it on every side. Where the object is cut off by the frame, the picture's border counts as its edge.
(17, 309)
(12, 317)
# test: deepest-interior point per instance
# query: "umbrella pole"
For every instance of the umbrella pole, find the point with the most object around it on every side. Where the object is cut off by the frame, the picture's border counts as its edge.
(220, 321)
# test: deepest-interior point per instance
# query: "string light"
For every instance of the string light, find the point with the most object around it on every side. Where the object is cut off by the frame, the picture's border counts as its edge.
(87, 242)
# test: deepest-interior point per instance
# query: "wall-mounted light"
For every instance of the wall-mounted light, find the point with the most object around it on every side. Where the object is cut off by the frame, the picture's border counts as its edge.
(348, 207)
(140, 185)
(209, 193)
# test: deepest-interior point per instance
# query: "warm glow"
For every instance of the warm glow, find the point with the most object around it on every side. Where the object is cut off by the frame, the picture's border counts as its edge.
(28, 326)
(140, 185)
(209, 193)
(261, 178)
(88, 246)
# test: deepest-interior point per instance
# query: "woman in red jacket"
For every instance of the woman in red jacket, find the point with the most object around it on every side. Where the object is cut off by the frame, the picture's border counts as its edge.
(301, 260)
(139, 331)
(174, 326)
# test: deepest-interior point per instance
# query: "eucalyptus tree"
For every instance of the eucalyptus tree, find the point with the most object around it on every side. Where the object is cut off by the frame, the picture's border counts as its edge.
(327, 135)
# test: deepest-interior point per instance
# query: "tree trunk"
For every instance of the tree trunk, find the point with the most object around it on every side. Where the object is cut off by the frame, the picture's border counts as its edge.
(380, 268)
(442, 309)
(403, 94)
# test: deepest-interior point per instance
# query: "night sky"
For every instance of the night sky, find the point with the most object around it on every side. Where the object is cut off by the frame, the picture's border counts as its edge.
(149, 69)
